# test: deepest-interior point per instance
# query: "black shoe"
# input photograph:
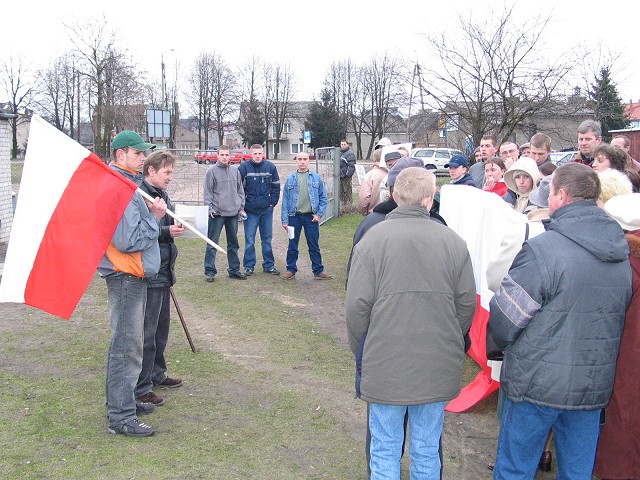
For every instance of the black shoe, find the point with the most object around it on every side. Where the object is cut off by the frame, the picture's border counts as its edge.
(248, 272)
(545, 461)
(238, 275)
(144, 408)
(273, 271)
(133, 428)
(209, 277)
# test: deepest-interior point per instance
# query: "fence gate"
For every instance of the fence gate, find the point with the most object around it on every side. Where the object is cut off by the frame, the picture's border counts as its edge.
(328, 167)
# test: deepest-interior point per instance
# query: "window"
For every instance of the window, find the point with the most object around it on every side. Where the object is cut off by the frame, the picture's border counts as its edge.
(297, 148)
(276, 148)
(286, 128)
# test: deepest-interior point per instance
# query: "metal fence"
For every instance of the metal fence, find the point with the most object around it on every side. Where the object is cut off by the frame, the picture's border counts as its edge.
(328, 167)
(188, 177)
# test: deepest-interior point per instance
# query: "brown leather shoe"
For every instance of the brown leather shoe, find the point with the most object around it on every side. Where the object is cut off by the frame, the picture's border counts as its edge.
(287, 275)
(170, 383)
(151, 398)
(545, 461)
(323, 276)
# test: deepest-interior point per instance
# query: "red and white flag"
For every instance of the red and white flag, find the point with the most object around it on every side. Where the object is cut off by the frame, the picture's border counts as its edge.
(482, 219)
(69, 205)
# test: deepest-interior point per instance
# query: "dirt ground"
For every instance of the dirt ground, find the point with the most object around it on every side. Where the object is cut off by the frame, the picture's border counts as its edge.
(469, 440)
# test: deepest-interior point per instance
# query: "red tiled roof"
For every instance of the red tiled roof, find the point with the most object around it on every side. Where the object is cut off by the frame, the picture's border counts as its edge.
(632, 111)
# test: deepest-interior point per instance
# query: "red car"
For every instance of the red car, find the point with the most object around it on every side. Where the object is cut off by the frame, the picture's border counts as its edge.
(235, 156)
(207, 157)
(241, 155)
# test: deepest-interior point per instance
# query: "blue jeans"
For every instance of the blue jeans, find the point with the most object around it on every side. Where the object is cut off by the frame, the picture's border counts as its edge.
(386, 423)
(156, 333)
(312, 234)
(215, 225)
(127, 300)
(264, 221)
(523, 431)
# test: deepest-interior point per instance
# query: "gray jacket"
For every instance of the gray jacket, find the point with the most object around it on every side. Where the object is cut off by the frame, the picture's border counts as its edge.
(408, 310)
(223, 190)
(134, 246)
(559, 312)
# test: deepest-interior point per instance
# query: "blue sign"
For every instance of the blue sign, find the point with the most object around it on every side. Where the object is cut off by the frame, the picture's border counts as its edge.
(307, 136)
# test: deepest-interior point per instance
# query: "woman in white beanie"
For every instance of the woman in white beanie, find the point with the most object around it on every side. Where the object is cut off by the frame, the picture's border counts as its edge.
(618, 454)
(521, 178)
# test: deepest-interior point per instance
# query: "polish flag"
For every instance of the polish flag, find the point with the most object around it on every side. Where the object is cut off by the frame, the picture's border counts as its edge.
(69, 205)
(482, 219)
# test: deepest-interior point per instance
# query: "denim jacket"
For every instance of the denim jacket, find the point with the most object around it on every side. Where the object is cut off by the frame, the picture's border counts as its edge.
(317, 194)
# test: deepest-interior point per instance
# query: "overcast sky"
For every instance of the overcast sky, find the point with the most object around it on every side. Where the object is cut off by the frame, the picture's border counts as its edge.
(307, 35)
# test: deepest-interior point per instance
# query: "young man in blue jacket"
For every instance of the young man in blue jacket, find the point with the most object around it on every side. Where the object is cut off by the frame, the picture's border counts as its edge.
(304, 201)
(262, 192)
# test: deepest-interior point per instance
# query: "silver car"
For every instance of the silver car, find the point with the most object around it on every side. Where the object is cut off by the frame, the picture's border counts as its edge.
(560, 158)
(435, 158)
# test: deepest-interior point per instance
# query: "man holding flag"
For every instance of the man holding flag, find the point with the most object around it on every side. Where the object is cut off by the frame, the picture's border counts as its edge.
(132, 256)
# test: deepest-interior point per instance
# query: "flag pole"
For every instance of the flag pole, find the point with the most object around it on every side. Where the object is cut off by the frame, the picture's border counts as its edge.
(184, 324)
(186, 224)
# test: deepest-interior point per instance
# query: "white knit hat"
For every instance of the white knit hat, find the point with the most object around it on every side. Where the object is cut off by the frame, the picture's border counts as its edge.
(625, 209)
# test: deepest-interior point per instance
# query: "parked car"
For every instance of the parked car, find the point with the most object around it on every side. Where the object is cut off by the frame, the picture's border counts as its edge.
(242, 155)
(199, 157)
(560, 158)
(435, 158)
(206, 156)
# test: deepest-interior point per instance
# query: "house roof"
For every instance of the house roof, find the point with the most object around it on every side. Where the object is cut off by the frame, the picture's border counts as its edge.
(632, 111)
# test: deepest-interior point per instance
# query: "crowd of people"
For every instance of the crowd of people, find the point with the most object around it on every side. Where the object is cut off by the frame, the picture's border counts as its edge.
(563, 312)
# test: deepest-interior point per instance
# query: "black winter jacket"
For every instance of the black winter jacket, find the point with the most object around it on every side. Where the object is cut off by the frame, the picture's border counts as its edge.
(168, 251)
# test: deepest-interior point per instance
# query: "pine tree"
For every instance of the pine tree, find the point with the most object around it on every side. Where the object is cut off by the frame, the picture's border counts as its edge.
(251, 125)
(608, 107)
(325, 123)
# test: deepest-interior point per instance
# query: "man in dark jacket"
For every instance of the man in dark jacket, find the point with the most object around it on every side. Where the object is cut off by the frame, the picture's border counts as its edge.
(407, 314)
(347, 169)
(158, 172)
(558, 315)
(262, 193)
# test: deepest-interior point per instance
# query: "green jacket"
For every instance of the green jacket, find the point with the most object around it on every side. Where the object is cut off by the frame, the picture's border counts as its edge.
(410, 301)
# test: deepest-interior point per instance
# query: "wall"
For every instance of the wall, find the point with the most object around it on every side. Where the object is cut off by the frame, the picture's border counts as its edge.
(6, 207)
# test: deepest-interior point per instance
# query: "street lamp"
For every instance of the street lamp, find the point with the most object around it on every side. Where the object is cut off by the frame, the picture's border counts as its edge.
(165, 99)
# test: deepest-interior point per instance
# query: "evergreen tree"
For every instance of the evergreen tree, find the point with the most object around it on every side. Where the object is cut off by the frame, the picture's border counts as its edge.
(325, 123)
(251, 125)
(608, 107)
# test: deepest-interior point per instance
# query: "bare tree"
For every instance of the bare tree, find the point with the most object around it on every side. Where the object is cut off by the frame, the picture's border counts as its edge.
(113, 83)
(224, 95)
(19, 88)
(251, 122)
(57, 89)
(494, 77)
(384, 83)
(279, 85)
(199, 96)
(366, 95)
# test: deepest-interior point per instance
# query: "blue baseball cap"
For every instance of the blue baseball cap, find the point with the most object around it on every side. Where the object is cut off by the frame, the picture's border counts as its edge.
(457, 161)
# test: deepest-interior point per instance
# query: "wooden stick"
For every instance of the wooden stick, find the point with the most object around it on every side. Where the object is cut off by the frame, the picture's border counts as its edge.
(184, 324)
(186, 224)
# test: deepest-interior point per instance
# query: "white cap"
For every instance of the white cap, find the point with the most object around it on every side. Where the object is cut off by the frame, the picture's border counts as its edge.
(383, 142)
(625, 209)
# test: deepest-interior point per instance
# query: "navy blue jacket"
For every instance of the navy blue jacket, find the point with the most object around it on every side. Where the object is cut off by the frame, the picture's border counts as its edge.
(261, 185)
